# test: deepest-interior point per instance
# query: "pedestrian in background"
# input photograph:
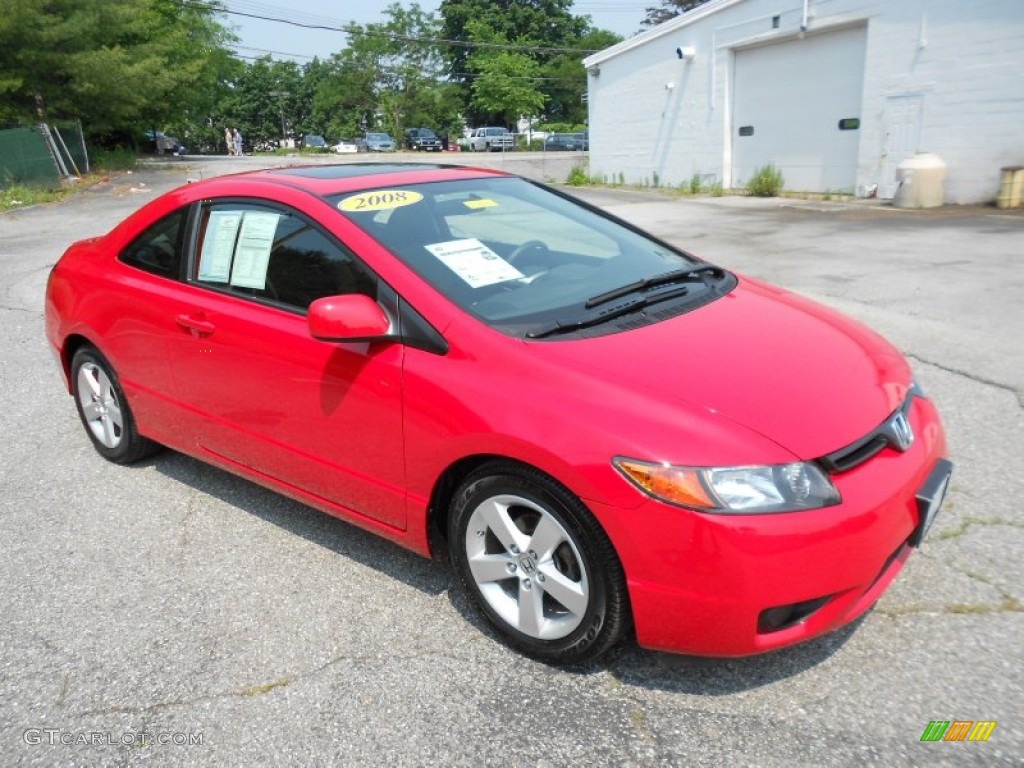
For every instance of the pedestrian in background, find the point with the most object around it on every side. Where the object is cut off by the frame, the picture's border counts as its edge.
(238, 143)
(229, 141)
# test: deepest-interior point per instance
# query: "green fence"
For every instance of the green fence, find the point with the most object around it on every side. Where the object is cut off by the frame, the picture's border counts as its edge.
(25, 157)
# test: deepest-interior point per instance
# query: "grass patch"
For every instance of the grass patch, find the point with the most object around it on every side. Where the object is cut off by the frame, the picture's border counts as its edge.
(967, 522)
(107, 160)
(1008, 605)
(577, 177)
(22, 196)
(767, 181)
(259, 690)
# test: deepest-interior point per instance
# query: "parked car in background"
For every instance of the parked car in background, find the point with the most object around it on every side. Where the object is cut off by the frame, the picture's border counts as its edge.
(349, 146)
(422, 139)
(491, 139)
(162, 144)
(316, 142)
(563, 142)
(380, 142)
(616, 438)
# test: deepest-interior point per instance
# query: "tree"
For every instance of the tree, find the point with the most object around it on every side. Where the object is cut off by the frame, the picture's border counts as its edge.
(391, 74)
(506, 84)
(564, 80)
(479, 27)
(669, 9)
(264, 91)
(120, 67)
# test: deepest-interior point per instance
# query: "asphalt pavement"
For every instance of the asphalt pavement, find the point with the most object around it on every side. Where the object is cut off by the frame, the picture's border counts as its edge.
(171, 614)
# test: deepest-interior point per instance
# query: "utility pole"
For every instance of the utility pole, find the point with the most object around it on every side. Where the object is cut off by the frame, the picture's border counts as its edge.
(281, 96)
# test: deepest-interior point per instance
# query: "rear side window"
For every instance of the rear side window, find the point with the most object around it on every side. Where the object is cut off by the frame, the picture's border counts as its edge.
(158, 249)
(275, 255)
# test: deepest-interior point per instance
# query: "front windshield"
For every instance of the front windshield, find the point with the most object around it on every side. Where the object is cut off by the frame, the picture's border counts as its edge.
(514, 254)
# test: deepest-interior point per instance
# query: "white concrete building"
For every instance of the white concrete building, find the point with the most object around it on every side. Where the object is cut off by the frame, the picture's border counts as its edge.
(835, 93)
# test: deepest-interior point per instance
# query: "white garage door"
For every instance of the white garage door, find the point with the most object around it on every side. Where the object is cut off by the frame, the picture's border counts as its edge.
(797, 105)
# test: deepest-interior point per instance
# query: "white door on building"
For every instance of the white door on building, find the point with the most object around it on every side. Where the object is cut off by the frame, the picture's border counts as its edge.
(902, 137)
(797, 105)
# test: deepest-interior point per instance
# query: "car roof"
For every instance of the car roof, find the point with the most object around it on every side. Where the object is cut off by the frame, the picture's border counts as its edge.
(324, 180)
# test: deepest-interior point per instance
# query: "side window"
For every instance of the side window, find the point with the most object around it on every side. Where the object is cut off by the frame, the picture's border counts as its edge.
(158, 249)
(274, 254)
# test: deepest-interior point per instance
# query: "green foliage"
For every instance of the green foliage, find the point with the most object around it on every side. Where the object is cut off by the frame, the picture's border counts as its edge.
(535, 145)
(696, 186)
(560, 127)
(669, 9)
(527, 26)
(131, 65)
(767, 181)
(24, 195)
(388, 77)
(106, 160)
(505, 86)
(119, 66)
(577, 177)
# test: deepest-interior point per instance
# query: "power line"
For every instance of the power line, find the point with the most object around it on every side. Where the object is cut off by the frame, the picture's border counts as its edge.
(354, 29)
(387, 70)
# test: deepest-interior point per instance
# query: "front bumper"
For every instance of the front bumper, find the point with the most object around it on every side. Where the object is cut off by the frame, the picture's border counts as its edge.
(711, 584)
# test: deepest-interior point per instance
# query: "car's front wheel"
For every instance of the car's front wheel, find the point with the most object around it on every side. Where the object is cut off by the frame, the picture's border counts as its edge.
(537, 563)
(104, 411)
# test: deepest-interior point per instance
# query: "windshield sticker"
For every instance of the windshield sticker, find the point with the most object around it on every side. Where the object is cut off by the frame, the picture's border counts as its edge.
(480, 203)
(380, 200)
(474, 262)
(219, 246)
(252, 254)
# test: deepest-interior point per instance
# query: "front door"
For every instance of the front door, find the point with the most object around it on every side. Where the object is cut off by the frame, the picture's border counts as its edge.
(322, 417)
(902, 137)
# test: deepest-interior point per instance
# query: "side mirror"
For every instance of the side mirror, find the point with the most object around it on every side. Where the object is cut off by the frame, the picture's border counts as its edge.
(351, 317)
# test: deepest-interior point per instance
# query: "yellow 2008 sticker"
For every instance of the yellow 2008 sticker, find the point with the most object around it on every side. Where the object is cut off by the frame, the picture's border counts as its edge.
(380, 200)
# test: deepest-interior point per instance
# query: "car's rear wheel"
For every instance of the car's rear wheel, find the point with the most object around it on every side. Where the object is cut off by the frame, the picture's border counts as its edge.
(104, 411)
(537, 564)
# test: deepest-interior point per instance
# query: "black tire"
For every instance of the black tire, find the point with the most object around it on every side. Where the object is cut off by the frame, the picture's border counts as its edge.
(565, 604)
(104, 411)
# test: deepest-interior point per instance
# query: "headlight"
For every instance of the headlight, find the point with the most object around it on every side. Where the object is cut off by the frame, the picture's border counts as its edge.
(733, 490)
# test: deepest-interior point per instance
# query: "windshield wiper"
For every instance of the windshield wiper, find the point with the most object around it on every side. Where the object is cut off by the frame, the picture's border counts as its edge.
(603, 317)
(694, 272)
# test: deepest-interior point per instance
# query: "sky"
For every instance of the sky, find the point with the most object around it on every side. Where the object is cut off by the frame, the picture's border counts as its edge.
(284, 41)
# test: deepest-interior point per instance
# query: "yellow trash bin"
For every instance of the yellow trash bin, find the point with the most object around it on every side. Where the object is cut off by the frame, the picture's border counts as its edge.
(1012, 187)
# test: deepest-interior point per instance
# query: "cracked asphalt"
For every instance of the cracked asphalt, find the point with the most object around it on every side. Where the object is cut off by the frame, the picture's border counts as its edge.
(170, 600)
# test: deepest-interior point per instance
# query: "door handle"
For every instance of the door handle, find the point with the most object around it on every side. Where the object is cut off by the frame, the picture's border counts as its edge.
(195, 325)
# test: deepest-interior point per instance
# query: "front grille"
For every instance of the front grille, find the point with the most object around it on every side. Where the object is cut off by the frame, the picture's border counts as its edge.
(860, 451)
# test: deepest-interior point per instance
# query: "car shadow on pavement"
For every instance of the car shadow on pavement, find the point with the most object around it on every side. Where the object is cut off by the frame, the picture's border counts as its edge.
(630, 664)
(668, 672)
(298, 519)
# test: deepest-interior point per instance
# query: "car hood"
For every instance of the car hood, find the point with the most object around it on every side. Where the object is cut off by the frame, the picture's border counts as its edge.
(798, 373)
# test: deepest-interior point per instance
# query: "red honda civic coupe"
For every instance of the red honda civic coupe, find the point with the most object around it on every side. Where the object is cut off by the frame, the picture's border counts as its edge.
(612, 435)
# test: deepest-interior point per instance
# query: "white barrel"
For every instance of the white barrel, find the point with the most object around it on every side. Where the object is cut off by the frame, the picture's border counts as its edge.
(920, 179)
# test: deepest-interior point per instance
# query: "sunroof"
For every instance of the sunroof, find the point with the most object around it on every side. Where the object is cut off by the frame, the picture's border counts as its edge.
(349, 170)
